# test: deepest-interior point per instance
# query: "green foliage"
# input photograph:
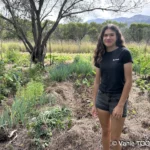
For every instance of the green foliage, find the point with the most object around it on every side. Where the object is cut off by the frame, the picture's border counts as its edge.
(62, 72)
(59, 58)
(135, 52)
(22, 109)
(143, 84)
(12, 55)
(32, 91)
(23, 60)
(48, 120)
(2, 67)
(35, 73)
(84, 81)
(10, 81)
(81, 66)
(139, 31)
(142, 65)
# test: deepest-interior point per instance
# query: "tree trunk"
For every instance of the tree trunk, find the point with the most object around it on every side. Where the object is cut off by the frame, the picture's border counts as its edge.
(38, 55)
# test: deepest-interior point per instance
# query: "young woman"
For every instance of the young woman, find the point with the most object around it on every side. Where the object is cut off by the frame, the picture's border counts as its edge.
(112, 85)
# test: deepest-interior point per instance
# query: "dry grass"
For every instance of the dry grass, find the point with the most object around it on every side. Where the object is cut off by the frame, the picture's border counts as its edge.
(68, 46)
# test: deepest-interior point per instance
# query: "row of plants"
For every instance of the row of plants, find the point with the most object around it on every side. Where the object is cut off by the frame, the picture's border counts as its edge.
(27, 89)
(81, 66)
(25, 111)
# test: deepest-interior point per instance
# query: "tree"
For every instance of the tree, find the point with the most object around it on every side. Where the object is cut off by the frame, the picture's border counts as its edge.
(139, 32)
(94, 31)
(19, 12)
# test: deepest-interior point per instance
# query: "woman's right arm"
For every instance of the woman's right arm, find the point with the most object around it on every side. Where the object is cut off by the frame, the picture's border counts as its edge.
(96, 84)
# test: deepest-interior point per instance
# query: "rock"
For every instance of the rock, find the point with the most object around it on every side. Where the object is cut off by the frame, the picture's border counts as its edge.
(3, 134)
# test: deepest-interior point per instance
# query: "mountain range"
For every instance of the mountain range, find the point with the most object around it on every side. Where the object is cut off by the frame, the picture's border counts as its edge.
(135, 19)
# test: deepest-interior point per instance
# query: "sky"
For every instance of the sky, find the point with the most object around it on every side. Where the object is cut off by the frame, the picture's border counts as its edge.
(106, 14)
(110, 15)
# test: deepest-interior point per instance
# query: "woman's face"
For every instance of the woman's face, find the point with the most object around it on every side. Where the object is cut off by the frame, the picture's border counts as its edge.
(109, 38)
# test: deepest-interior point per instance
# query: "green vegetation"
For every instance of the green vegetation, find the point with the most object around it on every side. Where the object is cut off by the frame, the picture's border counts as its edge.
(62, 72)
(21, 110)
(10, 81)
(26, 85)
(32, 91)
(69, 51)
(41, 128)
(46, 121)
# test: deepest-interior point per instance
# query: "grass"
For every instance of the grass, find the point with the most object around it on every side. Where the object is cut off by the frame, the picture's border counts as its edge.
(22, 109)
(13, 45)
(68, 46)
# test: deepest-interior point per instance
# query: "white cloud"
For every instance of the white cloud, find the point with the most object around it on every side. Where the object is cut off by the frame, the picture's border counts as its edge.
(110, 15)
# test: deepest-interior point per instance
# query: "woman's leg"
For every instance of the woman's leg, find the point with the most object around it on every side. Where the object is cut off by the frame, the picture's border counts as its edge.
(104, 118)
(116, 129)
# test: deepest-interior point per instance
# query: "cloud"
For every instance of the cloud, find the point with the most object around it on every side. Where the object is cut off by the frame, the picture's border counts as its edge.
(110, 15)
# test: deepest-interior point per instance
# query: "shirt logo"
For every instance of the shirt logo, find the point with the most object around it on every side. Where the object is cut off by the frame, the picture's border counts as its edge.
(116, 59)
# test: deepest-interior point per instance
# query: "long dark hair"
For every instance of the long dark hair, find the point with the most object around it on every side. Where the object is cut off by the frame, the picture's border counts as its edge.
(101, 48)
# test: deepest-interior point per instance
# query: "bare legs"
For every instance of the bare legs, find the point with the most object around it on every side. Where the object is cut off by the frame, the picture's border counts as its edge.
(111, 129)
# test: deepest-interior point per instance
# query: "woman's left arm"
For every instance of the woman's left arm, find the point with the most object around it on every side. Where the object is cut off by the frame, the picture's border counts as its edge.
(128, 84)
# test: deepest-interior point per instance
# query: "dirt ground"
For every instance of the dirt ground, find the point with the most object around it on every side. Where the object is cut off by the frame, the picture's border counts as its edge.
(85, 133)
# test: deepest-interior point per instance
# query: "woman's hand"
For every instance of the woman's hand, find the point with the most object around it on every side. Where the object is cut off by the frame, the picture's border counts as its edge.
(94, 111)
(117, 112)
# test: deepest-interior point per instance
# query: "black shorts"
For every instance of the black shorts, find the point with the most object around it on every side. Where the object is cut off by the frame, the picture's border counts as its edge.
(108, 102)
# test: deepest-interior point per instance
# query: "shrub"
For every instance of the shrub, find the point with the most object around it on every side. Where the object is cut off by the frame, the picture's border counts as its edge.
(21, 110)
(35, 73)
(32, 91)
(60, 72)
(46, 121)
(10, 81)
(12, 56)
(2, 67)
(80, 66)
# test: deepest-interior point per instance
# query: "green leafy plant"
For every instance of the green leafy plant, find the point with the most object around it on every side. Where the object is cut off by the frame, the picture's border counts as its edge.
(2, 67)
(35, 73)
(60, 72)
(43, 125)
(12, 55)
(10, 81)
(32, 91)
(21, 109)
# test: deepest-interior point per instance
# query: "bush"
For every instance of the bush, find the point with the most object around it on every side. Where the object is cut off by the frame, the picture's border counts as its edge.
(35, 73)
(12, 55)
(80, 66)
(32, 91)
(60, 72)
(46, 121)
(2, 67)
(10, 81)
(21, 110)
(23, 60)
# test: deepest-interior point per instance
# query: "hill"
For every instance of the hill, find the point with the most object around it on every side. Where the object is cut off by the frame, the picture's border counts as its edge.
(136, 18)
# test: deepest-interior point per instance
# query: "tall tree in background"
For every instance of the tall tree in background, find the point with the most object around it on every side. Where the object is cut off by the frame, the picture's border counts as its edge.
(19, 12)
